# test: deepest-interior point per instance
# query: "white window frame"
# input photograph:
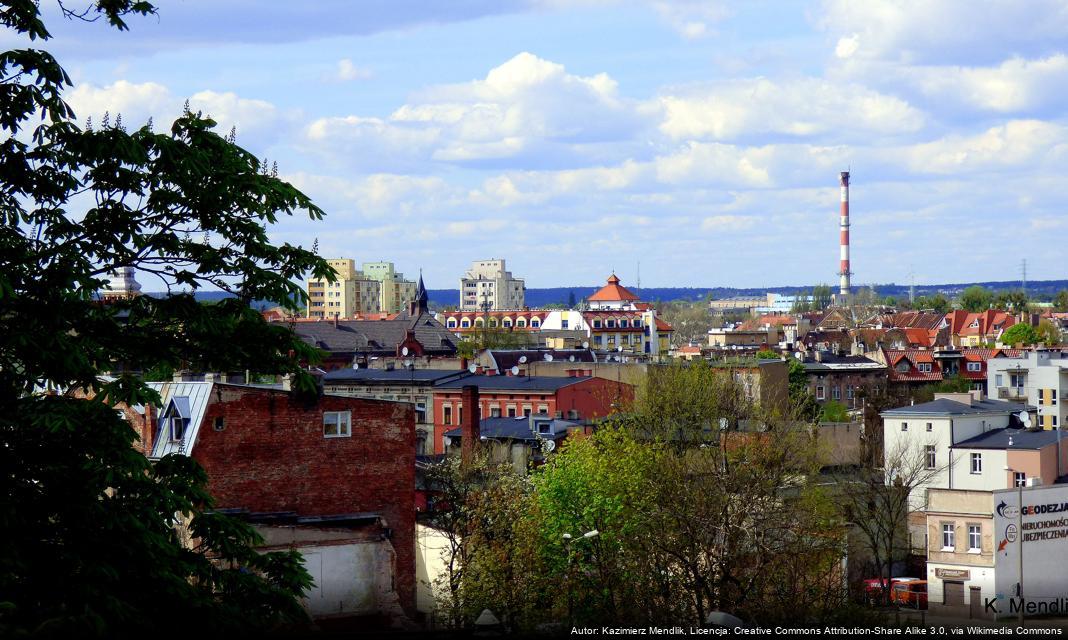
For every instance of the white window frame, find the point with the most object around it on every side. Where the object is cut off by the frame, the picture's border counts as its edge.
(820, 393)
(177, 427)
(340, 419)
(975, 366)
(976, 464)
(975, 538)
(949, 537)
(930, 456)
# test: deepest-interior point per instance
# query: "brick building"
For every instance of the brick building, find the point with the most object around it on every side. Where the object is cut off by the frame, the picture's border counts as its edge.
(576, 399)
(337, 472)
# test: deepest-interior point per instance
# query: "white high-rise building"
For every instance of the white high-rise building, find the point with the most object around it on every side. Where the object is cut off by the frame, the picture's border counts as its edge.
(487, 285)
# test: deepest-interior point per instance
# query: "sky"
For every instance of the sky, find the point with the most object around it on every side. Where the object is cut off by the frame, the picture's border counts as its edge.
(699, 140)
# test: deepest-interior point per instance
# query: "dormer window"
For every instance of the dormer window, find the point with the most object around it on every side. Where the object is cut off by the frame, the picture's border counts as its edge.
(535, 323)
(925, 367)
(597, 324)
(611, 324)
(623, 324)
(177, 428)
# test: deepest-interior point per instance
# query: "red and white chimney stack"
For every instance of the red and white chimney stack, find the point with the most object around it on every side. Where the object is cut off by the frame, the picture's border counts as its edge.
(844, 272)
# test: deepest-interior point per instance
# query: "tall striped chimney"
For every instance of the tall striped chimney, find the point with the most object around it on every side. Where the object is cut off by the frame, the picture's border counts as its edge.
(843, 226)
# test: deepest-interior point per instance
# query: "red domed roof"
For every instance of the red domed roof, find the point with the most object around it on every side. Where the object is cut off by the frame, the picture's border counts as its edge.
(612, 292)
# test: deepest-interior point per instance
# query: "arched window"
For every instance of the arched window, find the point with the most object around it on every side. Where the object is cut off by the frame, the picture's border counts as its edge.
(521, 322)
(493, 322)
(596, 323)
(507, 322)
(623, 323)
(452, 323)
(535, 323)
(611, 324)
(478, 322)
(465, 323)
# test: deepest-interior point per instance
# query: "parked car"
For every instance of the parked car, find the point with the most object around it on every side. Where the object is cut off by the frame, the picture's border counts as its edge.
(874, 588)
(910, 595)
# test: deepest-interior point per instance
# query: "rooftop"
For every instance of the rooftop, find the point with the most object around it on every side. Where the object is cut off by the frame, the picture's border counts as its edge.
(1021, 439)
(946, 407)
(513, 383)
(394, 376)
(518, 428)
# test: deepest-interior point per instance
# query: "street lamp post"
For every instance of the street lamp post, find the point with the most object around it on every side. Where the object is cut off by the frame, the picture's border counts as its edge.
(568, 540)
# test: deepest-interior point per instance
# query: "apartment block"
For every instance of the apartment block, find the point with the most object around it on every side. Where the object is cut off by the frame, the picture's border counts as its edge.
(396, 292)
(352, 294)
(488, 285)
(1039, 378)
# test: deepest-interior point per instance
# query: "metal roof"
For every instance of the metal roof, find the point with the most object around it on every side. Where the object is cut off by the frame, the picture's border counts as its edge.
(194, 397)
(518, 428)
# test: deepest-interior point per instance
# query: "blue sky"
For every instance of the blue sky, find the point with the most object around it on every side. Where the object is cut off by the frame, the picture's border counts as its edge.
(573, 137)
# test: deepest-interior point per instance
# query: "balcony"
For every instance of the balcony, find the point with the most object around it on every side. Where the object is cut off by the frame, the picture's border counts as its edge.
(1012, 393)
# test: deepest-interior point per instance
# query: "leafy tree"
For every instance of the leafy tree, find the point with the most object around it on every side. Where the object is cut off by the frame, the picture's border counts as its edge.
(976, 298)
(691, 321)
(937, 303)
(1060, 303)
(1011, 300)
(834, 411)
(953, 384)
(95, 536)
(1047, 333)
(821, 297)
(890, 301)
(1019, 333)
(765, 354)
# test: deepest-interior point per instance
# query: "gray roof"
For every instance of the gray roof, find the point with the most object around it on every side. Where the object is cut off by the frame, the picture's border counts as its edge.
(377, 337)
(953, 408)
(999, 439)
(516, 428)
(834, 362)
(506, 359)
(514, 383)
(395, 376)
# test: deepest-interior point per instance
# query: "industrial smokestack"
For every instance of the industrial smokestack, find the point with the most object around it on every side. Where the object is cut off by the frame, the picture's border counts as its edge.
(844, 273)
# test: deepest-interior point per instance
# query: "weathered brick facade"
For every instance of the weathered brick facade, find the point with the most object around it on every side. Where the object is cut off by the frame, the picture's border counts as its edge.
(269, 454)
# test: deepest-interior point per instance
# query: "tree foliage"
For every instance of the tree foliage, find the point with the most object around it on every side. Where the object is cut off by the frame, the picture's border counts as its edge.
(1048, 333)
(1060, 302)
(937, 303)
(976, 299)
(1019, 333)
(92, 531)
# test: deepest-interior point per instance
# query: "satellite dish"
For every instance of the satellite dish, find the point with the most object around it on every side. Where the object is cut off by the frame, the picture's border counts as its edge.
(585, 345)
(549, 446)
(571, 358)
(1025, 419)
(548, 357)
(515, 371)
(619, 349)
(404, 351)
(472, 367)
(797, 354)
(522, 359)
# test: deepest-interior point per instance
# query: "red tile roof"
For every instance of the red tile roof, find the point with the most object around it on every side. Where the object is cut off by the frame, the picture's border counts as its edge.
(613, 292)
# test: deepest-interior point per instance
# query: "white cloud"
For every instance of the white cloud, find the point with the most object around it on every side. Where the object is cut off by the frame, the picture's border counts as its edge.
(136, 102)
(347, 71)
(727, 223)
(692, 19)
(1013, 86)
(802, 107)
(847, 46)
(948, 31)
(1018, 144)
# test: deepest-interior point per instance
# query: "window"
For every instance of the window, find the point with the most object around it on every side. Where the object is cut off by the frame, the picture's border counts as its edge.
(904, 426)
(545, 428)
(597, 324)
(836, 392)
(977, 463)
(507, 323)
(465, 323)
(931, 459)
(543, 409)
(611, 324)
(511, 411)
(452, 323)
(521, 322)
(526, 412)
(820, 395)
(925, 367)
(220, 423)
(1054, 421)
(975, 538)
(1019, 479)
(1053, 396)
(446, 414)
(849, 393)
(495, 412)
(999, 380)
(535, 323)
(975, 366)
(948, 537)
(597, 340)
(177, 427)
(420, 412)
(337, 424)
(930, 427)
(563, 323)
(623, 324)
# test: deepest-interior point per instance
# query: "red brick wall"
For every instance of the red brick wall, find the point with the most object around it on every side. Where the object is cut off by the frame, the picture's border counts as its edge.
(271, 456)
